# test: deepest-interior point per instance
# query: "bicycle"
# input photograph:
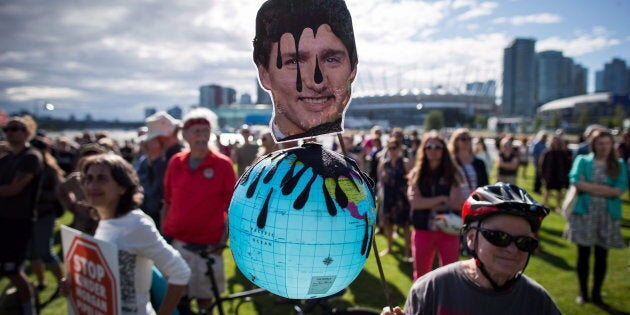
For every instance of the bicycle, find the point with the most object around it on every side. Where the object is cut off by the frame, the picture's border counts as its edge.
(242, 297)
(303, 307)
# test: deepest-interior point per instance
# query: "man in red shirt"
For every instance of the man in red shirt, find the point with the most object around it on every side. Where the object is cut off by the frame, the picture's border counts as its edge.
(198, 187)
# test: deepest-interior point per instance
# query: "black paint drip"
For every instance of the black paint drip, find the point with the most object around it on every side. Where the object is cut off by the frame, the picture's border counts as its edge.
(262, 217)
(252, 187)
(367, 238)
(319, 78)
(289, 186)
(324, 163)
(330, 204)
(303, 197)
(342, 199)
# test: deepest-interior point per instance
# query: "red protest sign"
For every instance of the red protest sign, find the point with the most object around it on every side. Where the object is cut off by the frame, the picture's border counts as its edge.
(93, 284)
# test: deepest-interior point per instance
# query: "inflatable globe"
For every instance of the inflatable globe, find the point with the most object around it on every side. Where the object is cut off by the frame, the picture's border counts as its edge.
(301, 222)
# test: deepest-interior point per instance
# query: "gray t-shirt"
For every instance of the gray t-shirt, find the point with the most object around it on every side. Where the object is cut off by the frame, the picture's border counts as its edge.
(448, 290)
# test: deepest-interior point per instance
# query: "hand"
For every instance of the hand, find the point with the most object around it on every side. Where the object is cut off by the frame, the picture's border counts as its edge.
(397, 311)
(64, 286)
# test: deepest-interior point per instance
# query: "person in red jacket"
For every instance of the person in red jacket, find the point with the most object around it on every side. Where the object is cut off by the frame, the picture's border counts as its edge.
(198, 187)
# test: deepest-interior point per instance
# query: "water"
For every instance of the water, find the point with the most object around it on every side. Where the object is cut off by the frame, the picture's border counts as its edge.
(120, 136)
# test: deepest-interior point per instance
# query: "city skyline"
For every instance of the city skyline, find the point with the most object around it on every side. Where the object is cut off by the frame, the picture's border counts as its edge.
(115, 59)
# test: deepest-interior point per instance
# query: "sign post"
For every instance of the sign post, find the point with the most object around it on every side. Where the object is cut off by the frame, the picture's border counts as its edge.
(92, 270)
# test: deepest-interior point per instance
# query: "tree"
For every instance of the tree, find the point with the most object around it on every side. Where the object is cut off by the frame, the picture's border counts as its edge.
(481, 121)
(434, 120)
(555, 122)
(537, 122)
(617, 120)
(583, 118)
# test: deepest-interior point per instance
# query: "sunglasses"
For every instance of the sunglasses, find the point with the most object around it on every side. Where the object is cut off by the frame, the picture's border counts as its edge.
(13, 129)
(433, 147)
(392, 148)
(502, 239)
(464, 138)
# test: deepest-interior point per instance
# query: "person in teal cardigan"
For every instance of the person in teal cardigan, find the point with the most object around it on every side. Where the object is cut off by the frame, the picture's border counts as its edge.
(596, 219)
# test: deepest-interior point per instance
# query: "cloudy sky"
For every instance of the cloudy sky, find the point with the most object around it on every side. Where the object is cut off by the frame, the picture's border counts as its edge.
(114, 58)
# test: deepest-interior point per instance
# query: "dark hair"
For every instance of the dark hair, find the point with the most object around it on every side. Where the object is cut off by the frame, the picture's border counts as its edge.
(277, 17)
(447, 168)
(124, 175)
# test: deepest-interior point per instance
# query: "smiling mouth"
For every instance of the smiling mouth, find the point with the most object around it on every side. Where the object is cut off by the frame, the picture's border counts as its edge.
(317, 103)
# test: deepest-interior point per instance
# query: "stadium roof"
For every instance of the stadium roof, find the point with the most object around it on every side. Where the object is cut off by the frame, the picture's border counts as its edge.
(569, 102)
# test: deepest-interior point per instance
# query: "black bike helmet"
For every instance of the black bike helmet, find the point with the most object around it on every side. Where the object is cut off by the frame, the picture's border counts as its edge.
(502, 198)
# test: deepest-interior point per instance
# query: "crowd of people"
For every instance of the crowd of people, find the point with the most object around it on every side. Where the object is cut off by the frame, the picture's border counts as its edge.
(172, 186)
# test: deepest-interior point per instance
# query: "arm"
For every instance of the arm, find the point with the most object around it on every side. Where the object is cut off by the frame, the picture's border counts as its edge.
(511, 165)
(380, 172)
(169, 261)
(65, 195)
(577, 178)
(18, 184)
(419, 202)
(598, 190)
(455, 199)
(173, 294)
(163, 212)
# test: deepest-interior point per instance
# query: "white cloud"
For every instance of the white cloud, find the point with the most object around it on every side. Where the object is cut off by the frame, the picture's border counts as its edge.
(393, 22)
(577, 46)
(539, 18)
(485, 8)
(14, 75)
(29, 93)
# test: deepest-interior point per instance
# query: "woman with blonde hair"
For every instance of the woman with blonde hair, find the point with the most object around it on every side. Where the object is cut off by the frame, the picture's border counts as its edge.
(434, 189)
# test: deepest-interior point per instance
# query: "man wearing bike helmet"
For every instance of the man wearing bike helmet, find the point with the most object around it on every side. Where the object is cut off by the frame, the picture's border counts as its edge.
(499, 225)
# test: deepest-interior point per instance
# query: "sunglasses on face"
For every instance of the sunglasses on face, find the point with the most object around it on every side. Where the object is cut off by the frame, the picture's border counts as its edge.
(13, 129)
(433, 147)
(464, 138)
(392, 148)
(502, 239)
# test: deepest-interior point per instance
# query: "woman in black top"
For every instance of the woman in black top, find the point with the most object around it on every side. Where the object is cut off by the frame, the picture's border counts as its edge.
(434, 188)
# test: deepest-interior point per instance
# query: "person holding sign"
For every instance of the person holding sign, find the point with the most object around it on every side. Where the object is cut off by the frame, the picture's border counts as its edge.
(113, 189)
(306, 57)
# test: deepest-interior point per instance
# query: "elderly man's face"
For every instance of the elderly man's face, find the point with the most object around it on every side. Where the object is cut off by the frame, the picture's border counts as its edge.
(322, 64)
(197, 136)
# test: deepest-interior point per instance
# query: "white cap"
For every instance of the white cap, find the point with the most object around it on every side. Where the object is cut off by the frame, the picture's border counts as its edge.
(160, 124)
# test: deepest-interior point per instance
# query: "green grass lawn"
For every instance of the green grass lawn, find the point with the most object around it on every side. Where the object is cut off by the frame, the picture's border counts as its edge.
(554, 268)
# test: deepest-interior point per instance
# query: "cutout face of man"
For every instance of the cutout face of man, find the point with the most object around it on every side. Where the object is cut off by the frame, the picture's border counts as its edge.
(310, 83)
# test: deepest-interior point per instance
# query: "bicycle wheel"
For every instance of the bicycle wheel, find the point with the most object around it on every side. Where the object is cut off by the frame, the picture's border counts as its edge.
(355, 311)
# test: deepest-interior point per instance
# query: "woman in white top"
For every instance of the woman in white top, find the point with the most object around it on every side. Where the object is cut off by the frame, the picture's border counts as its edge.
(112, 187)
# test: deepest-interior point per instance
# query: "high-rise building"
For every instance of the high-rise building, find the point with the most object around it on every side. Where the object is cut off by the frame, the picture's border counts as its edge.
(228, 96)
(548, 74)
(615, 77)
(557, 77)
(210, 96)
(599, 81)
(175, 111)
(149, 111)
(246, 99)
(580, 79)
(519, 78)
(262, 97)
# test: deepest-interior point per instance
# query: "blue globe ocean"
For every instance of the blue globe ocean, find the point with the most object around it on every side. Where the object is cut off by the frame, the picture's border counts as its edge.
(301, 222)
